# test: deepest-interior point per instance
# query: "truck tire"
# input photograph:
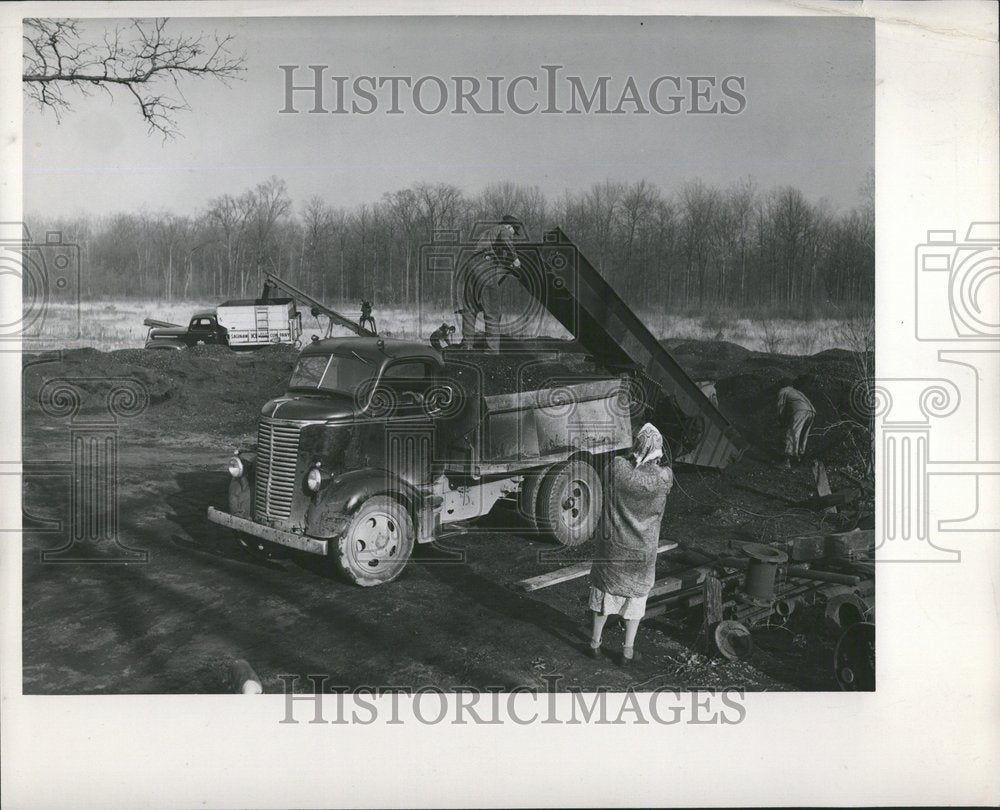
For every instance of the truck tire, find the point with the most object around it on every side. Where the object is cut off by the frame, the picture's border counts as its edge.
(527, 498)
(377, 543)
(569, 502)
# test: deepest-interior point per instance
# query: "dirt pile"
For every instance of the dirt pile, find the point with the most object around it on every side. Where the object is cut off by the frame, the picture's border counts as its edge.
(520, 371)
(834, 382)
(201, 389)
(212, 389)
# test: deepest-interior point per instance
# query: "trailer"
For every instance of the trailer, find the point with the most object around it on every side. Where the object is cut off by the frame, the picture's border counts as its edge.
(256, 322)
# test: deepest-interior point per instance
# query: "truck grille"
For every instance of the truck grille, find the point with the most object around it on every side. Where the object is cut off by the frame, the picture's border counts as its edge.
(277, 453)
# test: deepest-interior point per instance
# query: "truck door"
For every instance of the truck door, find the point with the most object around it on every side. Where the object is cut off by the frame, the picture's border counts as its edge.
(401, 430)
(455, 401)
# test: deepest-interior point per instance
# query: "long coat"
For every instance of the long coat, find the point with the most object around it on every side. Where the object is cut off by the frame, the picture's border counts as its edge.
(634, 501)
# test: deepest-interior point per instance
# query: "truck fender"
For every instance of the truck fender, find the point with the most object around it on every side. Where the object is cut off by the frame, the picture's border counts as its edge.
(165, 343)
(331, 508)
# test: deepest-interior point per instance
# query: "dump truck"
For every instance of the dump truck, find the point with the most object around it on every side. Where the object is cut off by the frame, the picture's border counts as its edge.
(241, 324)
(378, 444)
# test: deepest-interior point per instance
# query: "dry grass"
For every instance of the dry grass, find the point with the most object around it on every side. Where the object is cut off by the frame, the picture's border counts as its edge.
(118, 325)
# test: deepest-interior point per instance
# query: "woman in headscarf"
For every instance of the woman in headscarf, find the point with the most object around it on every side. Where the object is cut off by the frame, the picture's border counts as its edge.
(625, 567)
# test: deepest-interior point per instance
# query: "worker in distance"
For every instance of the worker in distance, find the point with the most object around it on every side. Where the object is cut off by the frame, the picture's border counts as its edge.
(795, 417)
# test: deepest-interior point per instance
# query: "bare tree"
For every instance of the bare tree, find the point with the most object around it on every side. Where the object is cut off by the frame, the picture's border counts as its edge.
(317, 228)
(403, 209)
(139, 57)
(635, 207)
(700, 205)
(271, 203)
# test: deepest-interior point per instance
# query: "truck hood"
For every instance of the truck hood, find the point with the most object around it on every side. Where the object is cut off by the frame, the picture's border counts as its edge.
(310, 407)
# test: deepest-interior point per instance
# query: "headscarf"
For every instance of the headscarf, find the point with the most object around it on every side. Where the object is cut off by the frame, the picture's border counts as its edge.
(648, 445)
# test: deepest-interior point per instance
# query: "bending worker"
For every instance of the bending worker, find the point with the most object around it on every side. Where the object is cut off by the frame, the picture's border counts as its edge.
(795, 417)
(493, 261)
(625, 566)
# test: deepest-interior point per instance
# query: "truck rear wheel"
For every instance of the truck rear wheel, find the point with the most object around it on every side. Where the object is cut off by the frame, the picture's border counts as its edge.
(527, 498)
(570, 501)
(376, 544)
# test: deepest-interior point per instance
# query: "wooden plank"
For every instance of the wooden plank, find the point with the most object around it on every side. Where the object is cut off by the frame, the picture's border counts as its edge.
(574, 571)
(678, 582)
(822, 484)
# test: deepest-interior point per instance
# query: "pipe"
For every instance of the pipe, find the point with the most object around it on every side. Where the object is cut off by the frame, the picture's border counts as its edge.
(800, 572)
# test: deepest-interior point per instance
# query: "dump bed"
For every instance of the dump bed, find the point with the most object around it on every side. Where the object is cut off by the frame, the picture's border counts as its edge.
(534, 427)
(587, 306)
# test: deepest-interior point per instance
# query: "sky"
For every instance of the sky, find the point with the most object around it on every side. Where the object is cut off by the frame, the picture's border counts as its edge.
(808, 120)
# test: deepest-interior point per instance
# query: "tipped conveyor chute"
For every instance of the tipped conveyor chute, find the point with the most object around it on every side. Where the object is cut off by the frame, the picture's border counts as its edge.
(273, 282)
(587, 306)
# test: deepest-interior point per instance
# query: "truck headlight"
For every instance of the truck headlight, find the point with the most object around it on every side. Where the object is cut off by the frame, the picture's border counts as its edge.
(235, 467)
(314, 479)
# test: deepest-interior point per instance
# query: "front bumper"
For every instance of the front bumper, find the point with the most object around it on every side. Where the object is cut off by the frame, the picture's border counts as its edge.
(297, 541)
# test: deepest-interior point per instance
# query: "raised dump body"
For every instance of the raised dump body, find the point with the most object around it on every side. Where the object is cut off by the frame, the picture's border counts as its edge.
(570, 288)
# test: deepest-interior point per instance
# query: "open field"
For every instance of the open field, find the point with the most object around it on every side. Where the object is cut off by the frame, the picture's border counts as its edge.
(118, 325)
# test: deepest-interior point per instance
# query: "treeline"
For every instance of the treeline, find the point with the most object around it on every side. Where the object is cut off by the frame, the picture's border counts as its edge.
(697, 247)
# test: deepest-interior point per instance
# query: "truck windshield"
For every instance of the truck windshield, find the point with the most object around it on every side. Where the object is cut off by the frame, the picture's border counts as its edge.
(331, 372)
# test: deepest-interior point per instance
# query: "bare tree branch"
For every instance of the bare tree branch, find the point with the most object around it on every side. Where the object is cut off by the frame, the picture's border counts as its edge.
(139, 57)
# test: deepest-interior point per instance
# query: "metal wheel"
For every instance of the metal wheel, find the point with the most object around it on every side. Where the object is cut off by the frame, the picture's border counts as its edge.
(376, 544)
(570, 501)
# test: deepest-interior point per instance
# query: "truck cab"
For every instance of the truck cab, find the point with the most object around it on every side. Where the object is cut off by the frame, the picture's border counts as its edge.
(204, 328)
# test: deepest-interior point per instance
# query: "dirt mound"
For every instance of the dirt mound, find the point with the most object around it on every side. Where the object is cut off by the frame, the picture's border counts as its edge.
(200, 389)
(705, 359)
(213, 389)
(839, 435)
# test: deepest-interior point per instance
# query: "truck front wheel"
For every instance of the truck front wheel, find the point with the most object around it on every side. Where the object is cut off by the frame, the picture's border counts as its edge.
(570, 501)
(376, 544)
